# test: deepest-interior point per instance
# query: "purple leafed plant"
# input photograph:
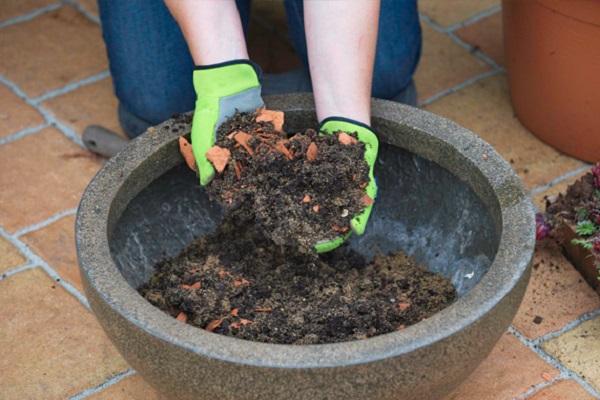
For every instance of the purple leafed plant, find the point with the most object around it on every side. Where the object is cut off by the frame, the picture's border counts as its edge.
(596, 173)
(542, 227)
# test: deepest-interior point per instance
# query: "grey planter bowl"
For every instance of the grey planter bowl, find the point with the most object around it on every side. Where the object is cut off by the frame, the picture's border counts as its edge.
(445, 196)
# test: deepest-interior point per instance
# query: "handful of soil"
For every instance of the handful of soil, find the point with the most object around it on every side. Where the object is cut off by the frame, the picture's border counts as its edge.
(257, 277)
(299, 189)
(237, 283)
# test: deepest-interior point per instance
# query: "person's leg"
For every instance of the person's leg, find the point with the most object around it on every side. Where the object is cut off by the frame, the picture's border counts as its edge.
(398, 51)
(398, 47)
(149, 60)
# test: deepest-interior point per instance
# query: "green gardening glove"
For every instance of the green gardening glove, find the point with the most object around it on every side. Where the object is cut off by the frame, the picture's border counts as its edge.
(222, 90)
(365, 135)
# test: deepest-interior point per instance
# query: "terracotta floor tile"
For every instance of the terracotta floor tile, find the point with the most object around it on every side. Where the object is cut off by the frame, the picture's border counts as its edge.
(15, 114)
(557, 294)
(563, 390)
(90, 5)
(132, 388)
(13, 8)
(51, 51)
(448, 13)
(40, 175)
(90, 104)
(56, 245)
(486, 34)
(509, 370)
(579, 350)
(443, 64)
(10, 256)
(52, 347)
(539, 200)
(484, 107)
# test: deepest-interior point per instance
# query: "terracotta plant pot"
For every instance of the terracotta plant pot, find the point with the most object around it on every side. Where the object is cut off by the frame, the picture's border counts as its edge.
(552, 50)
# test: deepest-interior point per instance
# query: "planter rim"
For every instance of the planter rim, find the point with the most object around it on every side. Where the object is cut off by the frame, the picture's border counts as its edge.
(517, 240)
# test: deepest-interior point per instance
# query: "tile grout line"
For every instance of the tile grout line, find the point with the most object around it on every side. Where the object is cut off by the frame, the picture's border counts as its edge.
(106, 384)
(39, 261)
(66, 130)
(23, 133)
(474, 51)
(50, 118)
(71, 86)
(571, 325)
(474, 18)
(44, 223)
(565, 372)
(538, 387)
(86, 13)
(542, 188)
(30, 15)
(23, 267)
(477, 53)
(458, 87)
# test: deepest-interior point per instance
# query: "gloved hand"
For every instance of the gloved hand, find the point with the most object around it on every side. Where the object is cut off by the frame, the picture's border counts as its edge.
(365, 135)
(221, 90)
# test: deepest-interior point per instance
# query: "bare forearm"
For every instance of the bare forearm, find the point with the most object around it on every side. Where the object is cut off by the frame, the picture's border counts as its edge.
(341, 38)
(212, 29)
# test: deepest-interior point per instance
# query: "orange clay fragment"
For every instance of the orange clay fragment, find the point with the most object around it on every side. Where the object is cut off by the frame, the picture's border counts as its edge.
(238, 170)
(181, 317)
(306, 199)
(340, 229)
(316, 208)
(232, 134)
(242, 322)
(346, 139)
(235, 312)
(280, 147)
(272, 116)
(546, 376)
(195, 286)
(219, 157)
(367, 201)
(185, 148)
(242, 138)
(240, 282)
(403, 306)
(311, 152)
(214, 324)
(222, 273)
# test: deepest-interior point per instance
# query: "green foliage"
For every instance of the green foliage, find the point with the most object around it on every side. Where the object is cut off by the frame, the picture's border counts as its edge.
(586, 228)
(582, 214)
(586, 244)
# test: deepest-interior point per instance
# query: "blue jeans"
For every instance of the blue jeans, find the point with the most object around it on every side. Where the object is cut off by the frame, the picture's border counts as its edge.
(152, 68)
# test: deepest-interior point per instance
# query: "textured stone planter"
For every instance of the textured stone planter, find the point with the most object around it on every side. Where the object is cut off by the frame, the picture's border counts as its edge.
(445, 196)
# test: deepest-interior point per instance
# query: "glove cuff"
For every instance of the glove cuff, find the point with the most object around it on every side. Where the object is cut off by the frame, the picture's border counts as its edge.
(344, 120)
(239, 61)
(226, 78)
